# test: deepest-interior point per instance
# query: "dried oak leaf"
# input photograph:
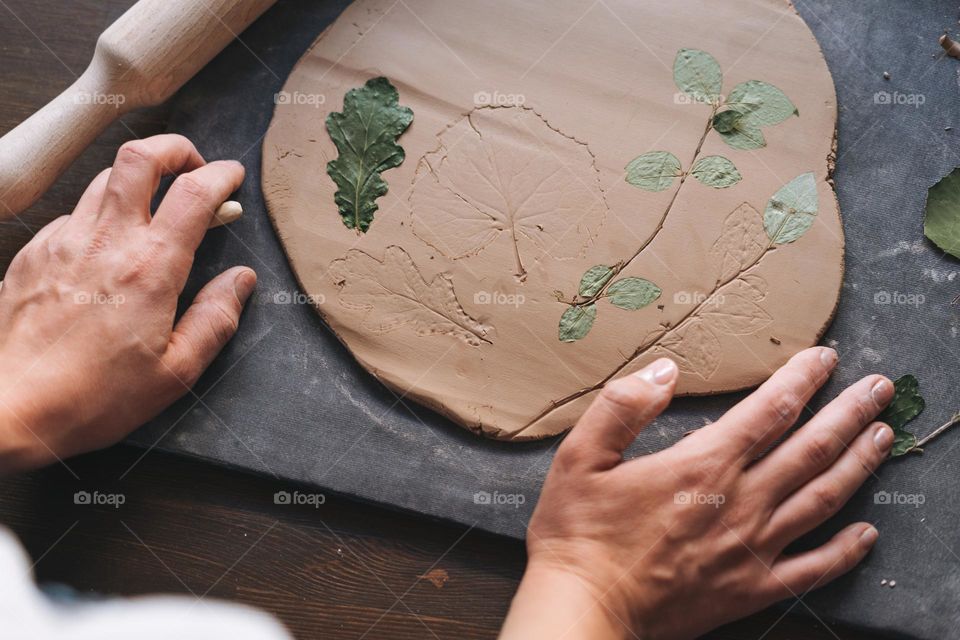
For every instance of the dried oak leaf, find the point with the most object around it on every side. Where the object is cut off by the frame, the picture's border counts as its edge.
(393, 294)
(504, 174)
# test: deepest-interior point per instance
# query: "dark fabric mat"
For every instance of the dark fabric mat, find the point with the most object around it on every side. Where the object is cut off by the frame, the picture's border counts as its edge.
(287, 400)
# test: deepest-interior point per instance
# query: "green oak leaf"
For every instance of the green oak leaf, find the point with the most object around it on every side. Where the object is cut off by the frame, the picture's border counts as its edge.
(727, 121)
(906, 405)
(576, 322)
(653, 171)
(632, 293)
(716, 172)
(761, 103)
(365, 133)
(593, 280)
(697, 73)
(791, 210)
(941, 223)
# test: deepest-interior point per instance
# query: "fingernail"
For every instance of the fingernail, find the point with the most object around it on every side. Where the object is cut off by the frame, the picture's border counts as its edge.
(243, 284)
(882, 392)
(869, 536)
(828, 357)
(883, 439)
(660, 372)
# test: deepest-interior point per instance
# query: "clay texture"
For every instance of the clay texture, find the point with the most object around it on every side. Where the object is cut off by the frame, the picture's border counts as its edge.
(527, 117)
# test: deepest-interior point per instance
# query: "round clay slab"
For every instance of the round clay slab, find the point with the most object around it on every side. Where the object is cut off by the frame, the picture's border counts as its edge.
(526, 117)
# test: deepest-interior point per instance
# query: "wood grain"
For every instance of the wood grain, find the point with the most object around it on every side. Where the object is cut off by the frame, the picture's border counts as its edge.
(343, 570)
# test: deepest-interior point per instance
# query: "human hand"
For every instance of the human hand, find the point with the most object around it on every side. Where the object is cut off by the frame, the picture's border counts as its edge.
(87, 308)
(673, 544)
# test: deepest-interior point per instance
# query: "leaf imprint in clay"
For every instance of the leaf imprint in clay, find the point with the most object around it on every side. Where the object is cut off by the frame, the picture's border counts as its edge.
(365, 133)
(504, 175)
(393, 294)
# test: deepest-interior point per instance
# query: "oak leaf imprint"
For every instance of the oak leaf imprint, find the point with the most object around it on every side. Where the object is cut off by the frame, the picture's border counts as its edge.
(503, 174)
(393, 293)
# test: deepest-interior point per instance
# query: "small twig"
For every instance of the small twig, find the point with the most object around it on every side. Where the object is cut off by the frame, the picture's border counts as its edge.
(952, 421)
(952, 48)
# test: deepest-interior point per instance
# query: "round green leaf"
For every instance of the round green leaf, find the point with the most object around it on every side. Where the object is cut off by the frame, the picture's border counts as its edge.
(593, 280)
(941, 222)
(726, 121)
(633, 293)
(716, 172)
(791, 210)
(576, 322)
(761, 103)
(653, 171)
(743, 137)
(697, 73)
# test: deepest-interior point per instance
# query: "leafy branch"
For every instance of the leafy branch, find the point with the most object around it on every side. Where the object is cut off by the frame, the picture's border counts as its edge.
(738, 120)
(907, 404)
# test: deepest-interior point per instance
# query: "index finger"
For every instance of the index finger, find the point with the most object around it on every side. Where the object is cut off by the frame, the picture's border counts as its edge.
(761, 418)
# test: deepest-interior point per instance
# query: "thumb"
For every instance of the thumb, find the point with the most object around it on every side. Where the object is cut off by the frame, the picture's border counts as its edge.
(624, 407)
(209, 323)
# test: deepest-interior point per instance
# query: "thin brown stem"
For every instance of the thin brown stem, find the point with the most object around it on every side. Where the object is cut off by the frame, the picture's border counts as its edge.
(939, 430)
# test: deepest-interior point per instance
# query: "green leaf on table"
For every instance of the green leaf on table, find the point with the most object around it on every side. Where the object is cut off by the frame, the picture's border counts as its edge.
(760, 103)
(576, 322)
(633, 293)
(593, 280)
(653, 171)
(716, 172)
(698, 74)
(365, 134)
(941, 223)
(906, 405)
(791, 210)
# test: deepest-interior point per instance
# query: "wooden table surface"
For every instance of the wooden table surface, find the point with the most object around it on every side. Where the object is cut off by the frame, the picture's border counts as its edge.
(343, 570)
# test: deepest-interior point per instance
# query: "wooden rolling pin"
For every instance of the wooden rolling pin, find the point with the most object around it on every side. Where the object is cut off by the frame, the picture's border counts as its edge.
(140, 60)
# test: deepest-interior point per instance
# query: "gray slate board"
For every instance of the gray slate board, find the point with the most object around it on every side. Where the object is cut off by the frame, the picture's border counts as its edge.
(287, 400)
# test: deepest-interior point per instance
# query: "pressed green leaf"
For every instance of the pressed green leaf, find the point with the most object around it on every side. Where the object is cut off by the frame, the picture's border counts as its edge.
(653, 171)
(365, 133)
(593, 280)
(716, 171)
(761, 103)
(633, 293)
(576, 322)
(791, 210)
(727, 121)
(743, 136)
(941, 222)
(697, 73)
(906, 405)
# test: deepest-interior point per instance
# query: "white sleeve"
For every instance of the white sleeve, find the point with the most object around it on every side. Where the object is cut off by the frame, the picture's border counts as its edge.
(25, 613)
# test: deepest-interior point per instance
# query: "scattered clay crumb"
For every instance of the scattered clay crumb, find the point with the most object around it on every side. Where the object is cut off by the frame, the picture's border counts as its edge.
(951, 47)
(893, 583)
(775, 341)
(886, 75)
(660, 306)
(948, 128)
(883, 582)
(438, 577)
